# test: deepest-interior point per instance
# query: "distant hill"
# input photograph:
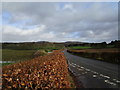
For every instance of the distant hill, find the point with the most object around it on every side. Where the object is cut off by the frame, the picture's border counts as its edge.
(41, 44)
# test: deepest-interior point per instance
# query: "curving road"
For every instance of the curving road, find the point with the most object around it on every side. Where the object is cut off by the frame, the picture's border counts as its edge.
(93, 73)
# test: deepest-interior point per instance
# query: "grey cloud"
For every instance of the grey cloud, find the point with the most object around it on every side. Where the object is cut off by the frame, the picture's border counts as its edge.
(97, 20)
(26, 10)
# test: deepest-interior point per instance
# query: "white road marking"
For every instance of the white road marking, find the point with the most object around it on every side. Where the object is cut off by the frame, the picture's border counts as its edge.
(85, 72)
(94, 72)
(106, 76)
(87, 69)
(81, 67)
(109, 82)
(94, 76)
(78, 66)
(73, 66)
(71, 70)
(116, 80)
(102, 75)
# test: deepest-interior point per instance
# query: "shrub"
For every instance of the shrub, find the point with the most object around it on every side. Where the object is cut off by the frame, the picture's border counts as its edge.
(40, 53)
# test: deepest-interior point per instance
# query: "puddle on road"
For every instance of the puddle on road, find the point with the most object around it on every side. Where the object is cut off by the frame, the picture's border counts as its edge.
(7, 61)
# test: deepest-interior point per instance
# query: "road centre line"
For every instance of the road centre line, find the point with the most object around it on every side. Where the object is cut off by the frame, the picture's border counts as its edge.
(102, 75)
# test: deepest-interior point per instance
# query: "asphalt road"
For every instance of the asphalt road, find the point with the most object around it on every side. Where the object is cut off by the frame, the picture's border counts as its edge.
(93, 73)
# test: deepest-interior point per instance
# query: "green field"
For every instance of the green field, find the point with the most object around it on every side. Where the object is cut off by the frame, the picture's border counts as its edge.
(110, 46)
(17, 55)
(25, 51)
(88, 47)
(31, 46)
(79, 47)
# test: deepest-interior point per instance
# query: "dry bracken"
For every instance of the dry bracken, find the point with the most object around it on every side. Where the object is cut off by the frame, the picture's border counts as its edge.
(43, 72)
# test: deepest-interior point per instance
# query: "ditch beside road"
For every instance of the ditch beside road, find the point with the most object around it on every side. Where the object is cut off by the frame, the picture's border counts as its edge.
(93, 73)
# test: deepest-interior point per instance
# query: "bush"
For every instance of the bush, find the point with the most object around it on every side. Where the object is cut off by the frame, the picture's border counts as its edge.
(112, 57)
(40, 53)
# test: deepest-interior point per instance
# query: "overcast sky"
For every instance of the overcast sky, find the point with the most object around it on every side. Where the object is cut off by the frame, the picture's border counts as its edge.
(65, 21)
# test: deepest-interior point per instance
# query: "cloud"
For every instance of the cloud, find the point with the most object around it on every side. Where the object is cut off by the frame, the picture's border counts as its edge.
(93, 22)
(68, 7)
(14, 30)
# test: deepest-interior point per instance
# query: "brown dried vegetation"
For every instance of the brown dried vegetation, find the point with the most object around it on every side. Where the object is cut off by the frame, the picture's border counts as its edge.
(50, 71)
(106, 54)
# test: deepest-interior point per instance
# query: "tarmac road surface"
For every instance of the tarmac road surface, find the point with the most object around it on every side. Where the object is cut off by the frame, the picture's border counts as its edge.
(93, 73)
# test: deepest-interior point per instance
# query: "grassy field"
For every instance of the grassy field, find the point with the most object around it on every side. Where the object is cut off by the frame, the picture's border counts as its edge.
(4, 64)
(79, 47)
(32, 46)
(97, 50)
(25, 51)
(90, 47)
(17, 55)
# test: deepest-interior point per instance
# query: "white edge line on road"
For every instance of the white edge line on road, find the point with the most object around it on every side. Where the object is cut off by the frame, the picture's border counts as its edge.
(102, 75)
(109, 82)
